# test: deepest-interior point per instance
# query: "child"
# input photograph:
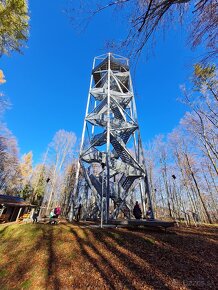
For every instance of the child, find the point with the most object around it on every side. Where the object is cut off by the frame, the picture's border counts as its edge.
(35, 216)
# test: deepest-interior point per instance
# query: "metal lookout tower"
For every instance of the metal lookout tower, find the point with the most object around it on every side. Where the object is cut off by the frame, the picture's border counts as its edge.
(111, 172)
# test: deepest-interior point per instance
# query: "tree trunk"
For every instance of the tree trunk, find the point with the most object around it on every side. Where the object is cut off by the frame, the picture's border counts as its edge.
(198, 190)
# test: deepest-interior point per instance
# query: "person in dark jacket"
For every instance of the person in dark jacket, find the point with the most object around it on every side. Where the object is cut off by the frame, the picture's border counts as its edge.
(35, 216)
(79, 211)
(137, 211)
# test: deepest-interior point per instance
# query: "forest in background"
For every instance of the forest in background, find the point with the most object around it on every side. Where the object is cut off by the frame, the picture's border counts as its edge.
(182, 166)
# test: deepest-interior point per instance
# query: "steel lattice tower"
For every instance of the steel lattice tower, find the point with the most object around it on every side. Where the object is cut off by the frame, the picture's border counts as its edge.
(111, 167)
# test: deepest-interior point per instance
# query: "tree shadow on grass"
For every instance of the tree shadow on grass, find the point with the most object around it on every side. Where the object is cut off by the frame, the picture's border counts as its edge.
(21, 260)
(3, 230)
(108, 258)
(125, 273)
(172, 257)
(52, 263)
(165, 260)
(104, 263)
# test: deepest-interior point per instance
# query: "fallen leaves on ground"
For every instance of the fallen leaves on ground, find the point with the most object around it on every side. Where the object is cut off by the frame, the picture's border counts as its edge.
(69, 256)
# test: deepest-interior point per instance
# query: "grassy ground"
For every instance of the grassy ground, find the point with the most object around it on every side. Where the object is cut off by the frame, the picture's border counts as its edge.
(66, 256)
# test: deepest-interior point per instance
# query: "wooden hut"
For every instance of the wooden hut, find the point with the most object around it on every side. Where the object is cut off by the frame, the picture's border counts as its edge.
(12, 208)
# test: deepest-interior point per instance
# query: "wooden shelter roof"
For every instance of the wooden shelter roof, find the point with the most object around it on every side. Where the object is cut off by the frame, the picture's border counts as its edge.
(11, 200)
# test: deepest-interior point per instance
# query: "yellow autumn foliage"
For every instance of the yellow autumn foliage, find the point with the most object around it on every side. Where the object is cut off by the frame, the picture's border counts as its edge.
(2, 77)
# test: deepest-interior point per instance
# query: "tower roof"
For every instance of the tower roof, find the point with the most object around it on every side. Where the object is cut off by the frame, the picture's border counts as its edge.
(116, 63)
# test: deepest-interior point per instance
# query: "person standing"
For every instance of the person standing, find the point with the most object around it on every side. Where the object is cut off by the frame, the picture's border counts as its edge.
(78, 216)
(57, 211)
(137, 211)
(35, 216)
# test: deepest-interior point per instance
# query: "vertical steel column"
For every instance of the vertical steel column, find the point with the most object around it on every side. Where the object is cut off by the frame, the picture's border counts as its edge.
(147, 187)
(102, 198)
(135, 117)
(108, 141)
(71, 213)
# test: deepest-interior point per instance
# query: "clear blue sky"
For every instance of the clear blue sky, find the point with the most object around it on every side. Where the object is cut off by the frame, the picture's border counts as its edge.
(48, 84)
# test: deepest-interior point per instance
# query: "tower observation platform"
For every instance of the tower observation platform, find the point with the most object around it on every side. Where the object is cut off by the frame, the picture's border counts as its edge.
(111, 173)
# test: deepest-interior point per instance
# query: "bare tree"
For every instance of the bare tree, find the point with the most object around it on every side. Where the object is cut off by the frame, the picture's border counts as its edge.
(183, 167)
(69, 183)
(202, 122)
(38, 183)
(9, 164)
(10, 178)
(144, 17)
(4, 103)
(59, 157)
